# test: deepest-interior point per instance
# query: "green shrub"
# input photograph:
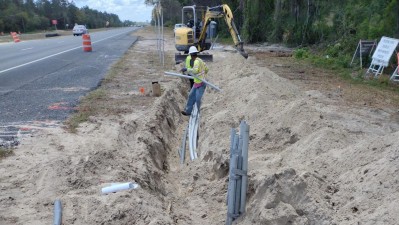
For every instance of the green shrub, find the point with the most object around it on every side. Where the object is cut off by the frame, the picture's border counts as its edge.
(301, 53)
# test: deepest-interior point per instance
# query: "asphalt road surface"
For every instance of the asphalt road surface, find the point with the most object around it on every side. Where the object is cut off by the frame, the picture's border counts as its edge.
(41, 81)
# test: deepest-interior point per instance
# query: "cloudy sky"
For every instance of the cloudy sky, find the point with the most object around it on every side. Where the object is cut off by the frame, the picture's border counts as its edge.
(133, 10)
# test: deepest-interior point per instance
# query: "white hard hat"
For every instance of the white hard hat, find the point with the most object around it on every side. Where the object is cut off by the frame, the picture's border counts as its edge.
(192, 50)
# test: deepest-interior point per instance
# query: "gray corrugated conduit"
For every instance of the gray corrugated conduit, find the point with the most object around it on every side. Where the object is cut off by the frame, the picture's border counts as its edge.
(238, 178)
(193, 125)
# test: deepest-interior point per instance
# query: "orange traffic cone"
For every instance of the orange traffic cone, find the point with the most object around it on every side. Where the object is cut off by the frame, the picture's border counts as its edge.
(15, 37)
(86, 43)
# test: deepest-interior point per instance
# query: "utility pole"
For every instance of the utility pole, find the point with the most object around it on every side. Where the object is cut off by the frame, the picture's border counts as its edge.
(397, 19)
(160, 34)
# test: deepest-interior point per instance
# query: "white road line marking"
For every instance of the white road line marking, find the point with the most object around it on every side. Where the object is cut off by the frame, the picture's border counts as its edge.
(37, 60)
(26, 49)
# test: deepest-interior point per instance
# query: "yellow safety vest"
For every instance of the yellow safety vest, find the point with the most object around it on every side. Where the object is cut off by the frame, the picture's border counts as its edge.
(188, 59)
(199, 69)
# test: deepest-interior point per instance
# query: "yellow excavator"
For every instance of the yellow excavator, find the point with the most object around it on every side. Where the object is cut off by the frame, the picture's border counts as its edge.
(198, 28)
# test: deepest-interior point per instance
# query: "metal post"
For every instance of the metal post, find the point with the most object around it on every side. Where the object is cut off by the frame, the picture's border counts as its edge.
(239, 178)
(163, 43)
(156, 25)
(231, 190)
(232, 137)
(244, 129)
(159, 33)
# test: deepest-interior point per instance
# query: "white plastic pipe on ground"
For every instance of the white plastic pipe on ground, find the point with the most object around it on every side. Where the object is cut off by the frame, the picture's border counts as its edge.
(57, 212)
(119, 187)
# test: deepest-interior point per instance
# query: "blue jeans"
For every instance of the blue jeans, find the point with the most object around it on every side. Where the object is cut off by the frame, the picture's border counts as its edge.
(195, 97)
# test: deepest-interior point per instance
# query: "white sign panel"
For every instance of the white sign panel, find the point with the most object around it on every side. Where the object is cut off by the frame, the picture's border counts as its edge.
(384, 50)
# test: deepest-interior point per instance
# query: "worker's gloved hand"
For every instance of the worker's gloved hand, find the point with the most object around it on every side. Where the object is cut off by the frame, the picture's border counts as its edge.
(184, 69)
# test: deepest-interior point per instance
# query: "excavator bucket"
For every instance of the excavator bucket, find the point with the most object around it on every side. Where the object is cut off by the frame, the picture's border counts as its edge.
(240, 49)
(179, 58)
(243, 53)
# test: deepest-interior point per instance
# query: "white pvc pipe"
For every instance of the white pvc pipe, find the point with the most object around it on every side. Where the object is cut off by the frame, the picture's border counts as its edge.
(191, 133)
(57, 212)
(192, 77)
(179, 75)
(195, 135)
(119, 187)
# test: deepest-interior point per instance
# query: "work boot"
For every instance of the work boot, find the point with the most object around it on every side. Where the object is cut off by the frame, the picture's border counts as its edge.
(184, 113)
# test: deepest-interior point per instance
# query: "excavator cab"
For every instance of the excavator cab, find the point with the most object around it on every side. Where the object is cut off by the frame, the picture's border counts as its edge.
(185, 37)
(200, 29)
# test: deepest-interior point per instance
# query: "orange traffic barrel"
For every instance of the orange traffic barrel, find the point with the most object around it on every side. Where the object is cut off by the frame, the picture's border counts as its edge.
(86, 43)
(15, 37)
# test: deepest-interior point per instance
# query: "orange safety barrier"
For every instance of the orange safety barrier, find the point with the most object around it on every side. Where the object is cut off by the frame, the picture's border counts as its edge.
(15, 37)
(86, 43)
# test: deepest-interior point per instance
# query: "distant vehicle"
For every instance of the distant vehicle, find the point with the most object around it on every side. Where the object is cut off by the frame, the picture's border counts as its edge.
(79, 30)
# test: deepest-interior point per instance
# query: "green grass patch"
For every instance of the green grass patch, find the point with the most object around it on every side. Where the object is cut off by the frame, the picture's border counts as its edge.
(92, 103)
(340, 64)
(87, 107)
(115, 70)
(4, 152)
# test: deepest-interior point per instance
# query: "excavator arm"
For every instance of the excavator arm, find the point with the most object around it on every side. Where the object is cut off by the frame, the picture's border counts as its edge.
(219, 12)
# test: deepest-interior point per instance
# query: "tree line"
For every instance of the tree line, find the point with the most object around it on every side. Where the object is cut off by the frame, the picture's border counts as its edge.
(31, 15)
(303, 22)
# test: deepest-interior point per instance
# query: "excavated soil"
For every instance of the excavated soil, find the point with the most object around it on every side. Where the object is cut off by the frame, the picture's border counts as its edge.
(321, 151)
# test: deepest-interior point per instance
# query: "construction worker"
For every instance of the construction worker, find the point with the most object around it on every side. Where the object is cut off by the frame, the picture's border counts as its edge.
(197, 91)
(189, 63)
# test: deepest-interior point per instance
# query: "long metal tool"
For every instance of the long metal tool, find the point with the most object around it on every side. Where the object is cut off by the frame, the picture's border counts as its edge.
(192, 77)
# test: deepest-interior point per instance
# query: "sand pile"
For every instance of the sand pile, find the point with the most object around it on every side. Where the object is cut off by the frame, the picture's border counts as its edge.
(312, 160)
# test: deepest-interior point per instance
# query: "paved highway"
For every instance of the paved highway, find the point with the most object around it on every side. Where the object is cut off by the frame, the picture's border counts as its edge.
(42, 80)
